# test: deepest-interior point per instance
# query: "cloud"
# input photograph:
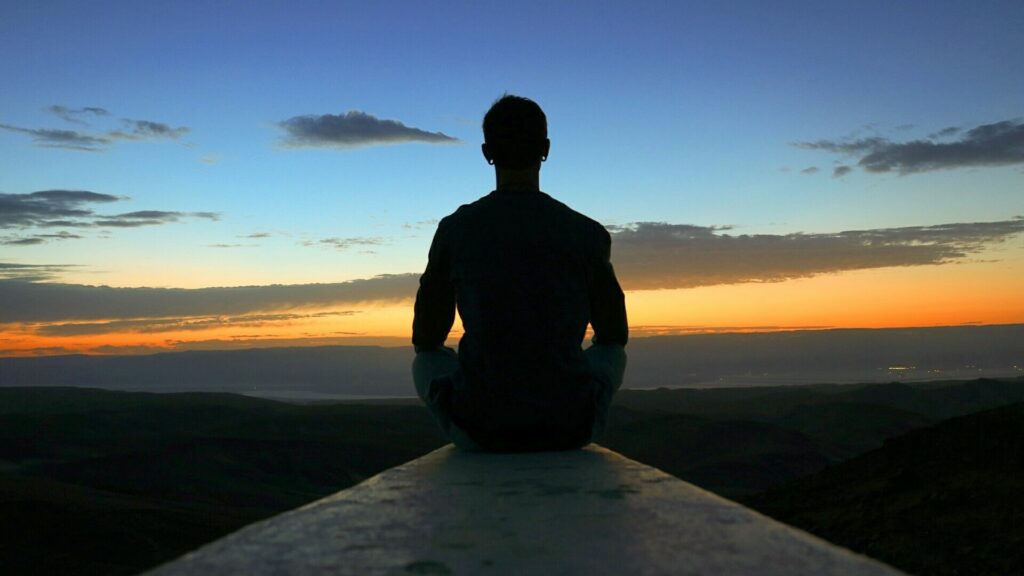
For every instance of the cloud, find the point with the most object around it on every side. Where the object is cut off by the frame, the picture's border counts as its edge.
(62, 235)
(840, 171)
(997, 144)
(70, 209)
(346, 243)
(148, 130)
(68, 139)
(654, 255)
(37, 238)
(181, 324)
(74, 115)
(946, 132)
(810, 170)
(95, 141)
(150, 218)
(256, 235)
(644, 331)
(31, 272)
(41, 208)
(647, 256)
(26, 301)
(353, 129)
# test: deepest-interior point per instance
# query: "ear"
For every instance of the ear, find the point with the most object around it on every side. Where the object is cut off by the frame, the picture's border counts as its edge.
(487, 153)
(546, 149)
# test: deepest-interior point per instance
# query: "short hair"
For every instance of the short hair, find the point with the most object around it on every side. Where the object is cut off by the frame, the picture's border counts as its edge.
(515, 130)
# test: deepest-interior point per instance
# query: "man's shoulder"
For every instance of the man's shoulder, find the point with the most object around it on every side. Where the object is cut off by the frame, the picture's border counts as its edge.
(593, 226)
(489, 203)
(465, 210)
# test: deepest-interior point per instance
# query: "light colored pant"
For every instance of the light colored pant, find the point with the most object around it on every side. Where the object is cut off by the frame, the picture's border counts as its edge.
(607, 366)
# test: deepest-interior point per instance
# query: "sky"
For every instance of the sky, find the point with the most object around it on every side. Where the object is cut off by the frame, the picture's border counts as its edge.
(234, 174)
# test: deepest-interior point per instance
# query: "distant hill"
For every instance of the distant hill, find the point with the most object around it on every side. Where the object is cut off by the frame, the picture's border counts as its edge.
(947, 499)
(355, 370)
(104, 482)
(936, 399)
(697, 360)
(844, 420)
(728, 457)
(120, 481)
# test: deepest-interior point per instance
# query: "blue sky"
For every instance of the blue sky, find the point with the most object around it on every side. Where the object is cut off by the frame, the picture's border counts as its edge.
(676, 112)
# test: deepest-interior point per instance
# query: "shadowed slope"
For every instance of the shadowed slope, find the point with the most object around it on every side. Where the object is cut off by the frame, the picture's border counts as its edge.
(101, 482)
(942, 500)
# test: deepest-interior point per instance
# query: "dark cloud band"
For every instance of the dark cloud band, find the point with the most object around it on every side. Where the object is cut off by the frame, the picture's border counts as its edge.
(46, 302)
(653, 255)
(647, 256)
(185, 324)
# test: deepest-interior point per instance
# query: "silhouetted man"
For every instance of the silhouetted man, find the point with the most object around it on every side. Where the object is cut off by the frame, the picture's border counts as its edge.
(527, 274)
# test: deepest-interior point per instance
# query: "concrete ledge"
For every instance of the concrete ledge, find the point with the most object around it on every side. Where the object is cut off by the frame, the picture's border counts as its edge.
(585, 512)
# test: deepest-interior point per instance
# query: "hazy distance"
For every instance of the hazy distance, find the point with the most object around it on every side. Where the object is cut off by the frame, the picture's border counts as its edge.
(700, 360)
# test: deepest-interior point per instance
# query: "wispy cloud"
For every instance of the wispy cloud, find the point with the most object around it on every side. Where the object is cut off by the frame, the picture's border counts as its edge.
(420, 224)
(148, 130)
(72, 209)
(48, 208)
(31, 272)
(656, 255)
(810, 170)
(841, 170)
(76, 115)
(68, 139)
(37, 238)
(946, 132)
(98, 140)
(353, 129)
(997, 144)
(182, 324)
(26, 301)
(150, 218)
(345, 243)
(672, 330)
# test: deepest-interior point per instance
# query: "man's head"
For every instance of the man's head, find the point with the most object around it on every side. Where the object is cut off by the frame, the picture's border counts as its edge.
(515, 133)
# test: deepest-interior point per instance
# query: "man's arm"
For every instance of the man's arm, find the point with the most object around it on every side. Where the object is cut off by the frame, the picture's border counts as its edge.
(435, 300)
(607, 303)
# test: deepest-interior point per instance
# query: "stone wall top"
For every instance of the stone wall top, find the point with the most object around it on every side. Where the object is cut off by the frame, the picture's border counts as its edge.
(584, 512)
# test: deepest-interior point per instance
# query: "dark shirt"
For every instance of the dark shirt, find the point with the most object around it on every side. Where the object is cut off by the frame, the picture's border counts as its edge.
(527, 274)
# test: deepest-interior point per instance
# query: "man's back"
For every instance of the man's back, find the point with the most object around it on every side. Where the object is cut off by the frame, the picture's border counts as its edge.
(528, 274)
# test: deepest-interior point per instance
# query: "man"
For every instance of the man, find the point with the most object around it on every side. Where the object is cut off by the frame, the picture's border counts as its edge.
(527, 274)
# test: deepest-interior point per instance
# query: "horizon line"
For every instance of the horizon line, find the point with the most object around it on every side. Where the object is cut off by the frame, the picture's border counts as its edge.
(645, 333)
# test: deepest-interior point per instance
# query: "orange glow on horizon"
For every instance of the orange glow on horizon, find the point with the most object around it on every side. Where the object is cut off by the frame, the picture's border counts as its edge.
(955, 294)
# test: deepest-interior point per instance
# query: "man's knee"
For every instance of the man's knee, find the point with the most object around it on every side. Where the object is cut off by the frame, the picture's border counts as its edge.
(607, 363)
(430, 365)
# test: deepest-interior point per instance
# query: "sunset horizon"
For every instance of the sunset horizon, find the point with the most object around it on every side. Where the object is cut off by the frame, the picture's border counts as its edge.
(469, 287)
(167, 187)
